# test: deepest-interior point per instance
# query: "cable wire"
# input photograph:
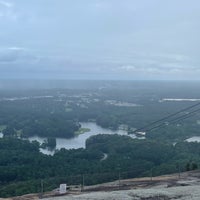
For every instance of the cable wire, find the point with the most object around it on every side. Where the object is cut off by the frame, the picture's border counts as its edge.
(167, 117)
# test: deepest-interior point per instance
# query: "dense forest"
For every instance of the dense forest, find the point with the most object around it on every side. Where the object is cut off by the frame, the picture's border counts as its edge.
(54, 113)
(22, 166)
(57, 113)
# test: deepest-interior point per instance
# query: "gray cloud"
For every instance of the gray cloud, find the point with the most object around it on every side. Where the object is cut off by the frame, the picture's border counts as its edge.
(6, 4)
(7, 11)
(100, 39)
(16, 55)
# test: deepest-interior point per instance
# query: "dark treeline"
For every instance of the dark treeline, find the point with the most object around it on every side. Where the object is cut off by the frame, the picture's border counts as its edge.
(36, 117)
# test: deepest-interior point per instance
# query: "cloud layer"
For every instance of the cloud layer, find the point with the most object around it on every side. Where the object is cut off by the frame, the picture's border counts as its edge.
(100, 39)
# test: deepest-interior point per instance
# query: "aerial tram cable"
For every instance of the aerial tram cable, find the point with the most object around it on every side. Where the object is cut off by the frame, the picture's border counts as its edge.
(167, 117)
(188, 115)
(178, 119)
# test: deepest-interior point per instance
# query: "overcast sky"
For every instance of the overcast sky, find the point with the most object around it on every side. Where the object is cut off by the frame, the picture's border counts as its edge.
(100, 39)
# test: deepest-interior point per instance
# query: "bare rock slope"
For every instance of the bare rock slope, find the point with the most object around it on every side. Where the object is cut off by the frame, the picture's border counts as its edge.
(185, 187)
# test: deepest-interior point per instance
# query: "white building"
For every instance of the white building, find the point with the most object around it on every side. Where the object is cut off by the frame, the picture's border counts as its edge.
(63, 188)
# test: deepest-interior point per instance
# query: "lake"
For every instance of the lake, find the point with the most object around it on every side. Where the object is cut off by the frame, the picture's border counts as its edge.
(79, 141)
(193, 139)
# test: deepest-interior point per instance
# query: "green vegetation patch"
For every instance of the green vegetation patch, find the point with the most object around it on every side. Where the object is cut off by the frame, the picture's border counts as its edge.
(68, 109)
(19, 132)
(82, 131)
(2, 127)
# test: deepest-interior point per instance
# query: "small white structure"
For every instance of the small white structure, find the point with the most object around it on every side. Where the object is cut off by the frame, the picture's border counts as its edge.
(141, 133)
(63, 188)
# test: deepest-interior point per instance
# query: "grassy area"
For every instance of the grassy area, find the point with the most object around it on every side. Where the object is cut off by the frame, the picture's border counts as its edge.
(82, 131)
(67, 109)
(19, 132)
(2, 127)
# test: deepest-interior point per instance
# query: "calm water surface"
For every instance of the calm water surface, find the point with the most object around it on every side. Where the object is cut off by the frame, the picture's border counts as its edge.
(79, 141)
(194, 139)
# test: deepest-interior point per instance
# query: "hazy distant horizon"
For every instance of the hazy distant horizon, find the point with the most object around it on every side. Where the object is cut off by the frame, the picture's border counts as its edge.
(28, 84)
